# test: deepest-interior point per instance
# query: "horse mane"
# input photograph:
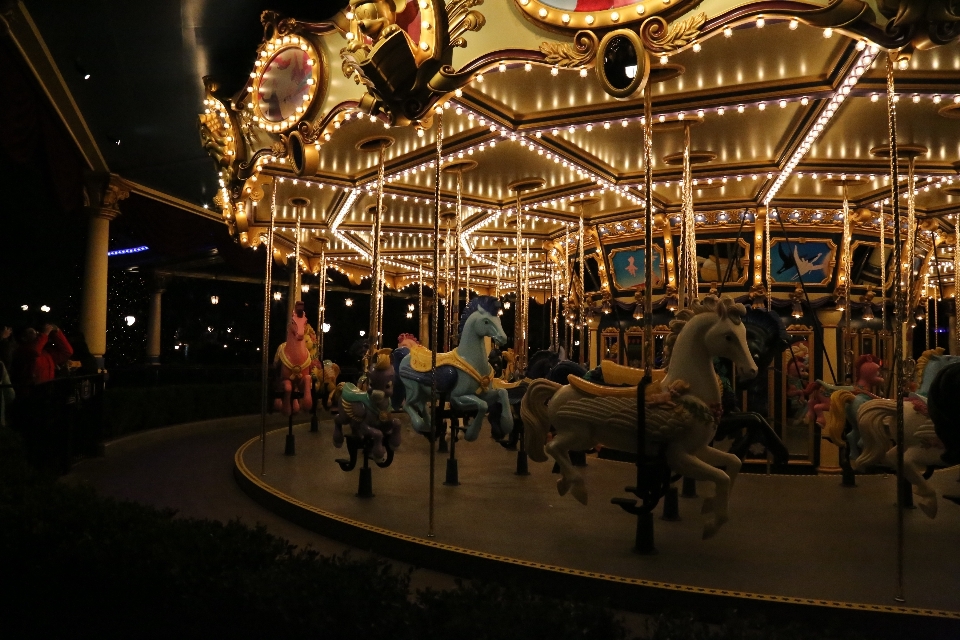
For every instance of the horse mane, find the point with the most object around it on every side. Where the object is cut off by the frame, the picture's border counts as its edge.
(922, 362)
(835, 420)
(488, 303)
(724, 307)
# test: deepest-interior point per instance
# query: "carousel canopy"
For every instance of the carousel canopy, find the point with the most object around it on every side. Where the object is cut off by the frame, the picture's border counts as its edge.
(782, 106)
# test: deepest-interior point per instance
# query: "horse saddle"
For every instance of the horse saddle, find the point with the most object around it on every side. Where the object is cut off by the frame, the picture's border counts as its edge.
(351, 393)
(446, 376)
(651, 394)
(421, 358)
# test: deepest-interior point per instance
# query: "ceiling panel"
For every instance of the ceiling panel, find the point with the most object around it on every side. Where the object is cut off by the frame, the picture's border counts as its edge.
(861, 125)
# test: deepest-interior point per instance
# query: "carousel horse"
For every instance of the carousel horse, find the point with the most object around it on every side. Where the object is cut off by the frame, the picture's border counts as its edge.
(367, 413)
(326, 385)
(293, 364)
(682, 408)
(464, 373)
(930, 424)
(845, 402)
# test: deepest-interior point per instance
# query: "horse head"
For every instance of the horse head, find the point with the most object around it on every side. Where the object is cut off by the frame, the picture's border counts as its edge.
(727, 337)
(481, 318)
(296, 328)
(381, 375)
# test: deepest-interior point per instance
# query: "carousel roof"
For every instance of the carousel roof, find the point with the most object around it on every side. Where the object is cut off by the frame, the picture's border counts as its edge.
(780, 102)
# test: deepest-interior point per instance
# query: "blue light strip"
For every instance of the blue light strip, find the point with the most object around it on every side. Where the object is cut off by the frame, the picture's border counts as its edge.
(123, 252)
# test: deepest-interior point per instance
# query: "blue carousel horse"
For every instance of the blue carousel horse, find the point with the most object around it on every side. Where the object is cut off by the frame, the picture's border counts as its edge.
(464, 374)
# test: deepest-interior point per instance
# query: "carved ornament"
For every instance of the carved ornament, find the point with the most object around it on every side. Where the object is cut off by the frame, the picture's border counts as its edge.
(402, 52)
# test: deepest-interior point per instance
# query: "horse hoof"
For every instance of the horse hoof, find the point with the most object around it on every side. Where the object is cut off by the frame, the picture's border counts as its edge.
(712, 526)
(471, 434)
(579, 492)
(563, 486)
(929, 507)
(707, 506)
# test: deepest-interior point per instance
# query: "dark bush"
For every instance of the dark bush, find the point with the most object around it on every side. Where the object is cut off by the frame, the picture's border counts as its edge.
(80, 565)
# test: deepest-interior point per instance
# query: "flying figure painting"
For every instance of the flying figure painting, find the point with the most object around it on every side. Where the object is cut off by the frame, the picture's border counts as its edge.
(808, 262)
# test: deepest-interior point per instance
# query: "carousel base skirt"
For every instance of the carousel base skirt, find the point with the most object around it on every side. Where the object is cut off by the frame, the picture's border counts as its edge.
(794, 545)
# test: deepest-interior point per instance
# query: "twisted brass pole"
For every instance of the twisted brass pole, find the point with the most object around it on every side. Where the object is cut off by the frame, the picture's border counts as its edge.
(899, 312)
(265, 367)
(436, 319)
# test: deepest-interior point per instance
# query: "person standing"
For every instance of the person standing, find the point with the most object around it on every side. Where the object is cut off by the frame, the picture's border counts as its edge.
(7, 347)
(37, 359)
(7, 394)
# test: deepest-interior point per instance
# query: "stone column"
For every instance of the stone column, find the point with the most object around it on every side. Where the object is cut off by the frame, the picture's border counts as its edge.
(153, 326)
(102, 194)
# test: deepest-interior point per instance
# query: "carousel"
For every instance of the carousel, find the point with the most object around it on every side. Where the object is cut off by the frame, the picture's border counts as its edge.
(700, 257)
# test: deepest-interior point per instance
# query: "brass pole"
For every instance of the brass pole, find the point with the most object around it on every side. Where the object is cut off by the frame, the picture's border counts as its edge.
(265, 368)
(899, 311)
(322, 299)
(374, 341)
(848, 283)
(648, 235)
(455, 309)
(436, 318)
(518, 326)
(582, 315)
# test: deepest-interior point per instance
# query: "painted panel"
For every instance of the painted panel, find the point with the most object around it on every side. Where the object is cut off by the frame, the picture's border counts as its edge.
(628, 267)
(813, 261)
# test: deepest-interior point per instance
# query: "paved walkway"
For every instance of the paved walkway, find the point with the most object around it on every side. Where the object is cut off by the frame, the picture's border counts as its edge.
(190, 468)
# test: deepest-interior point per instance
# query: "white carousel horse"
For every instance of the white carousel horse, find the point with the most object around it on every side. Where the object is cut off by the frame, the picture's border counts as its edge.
(877, 420)
(873, 424)
(682, 411)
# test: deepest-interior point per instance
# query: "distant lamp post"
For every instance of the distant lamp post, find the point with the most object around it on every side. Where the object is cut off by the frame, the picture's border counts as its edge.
(362, 333)
(277, 296)
(25, 307)
(45, 309)
(326, 327)
(214, 300)
(348, 302)
(305, 288)
(506, 304)
(130, 320)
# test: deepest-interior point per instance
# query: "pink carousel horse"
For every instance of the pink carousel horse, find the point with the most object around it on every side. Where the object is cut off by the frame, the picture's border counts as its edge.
(293, 364)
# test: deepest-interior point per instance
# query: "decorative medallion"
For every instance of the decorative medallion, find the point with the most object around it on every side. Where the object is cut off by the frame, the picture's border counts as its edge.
(288, 76)
(402, 51)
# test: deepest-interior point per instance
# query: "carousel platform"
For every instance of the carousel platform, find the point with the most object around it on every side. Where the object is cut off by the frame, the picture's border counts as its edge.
(795, 545)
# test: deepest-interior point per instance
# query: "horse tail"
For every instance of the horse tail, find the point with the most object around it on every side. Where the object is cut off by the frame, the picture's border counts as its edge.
(835, 420)
(533, 412)
(872, 419)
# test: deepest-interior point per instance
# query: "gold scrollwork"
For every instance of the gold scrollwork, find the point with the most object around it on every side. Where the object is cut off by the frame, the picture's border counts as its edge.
(581, 53)
(659, 38)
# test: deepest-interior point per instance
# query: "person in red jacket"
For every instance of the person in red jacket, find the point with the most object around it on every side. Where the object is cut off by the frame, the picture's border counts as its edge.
(40, 354)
